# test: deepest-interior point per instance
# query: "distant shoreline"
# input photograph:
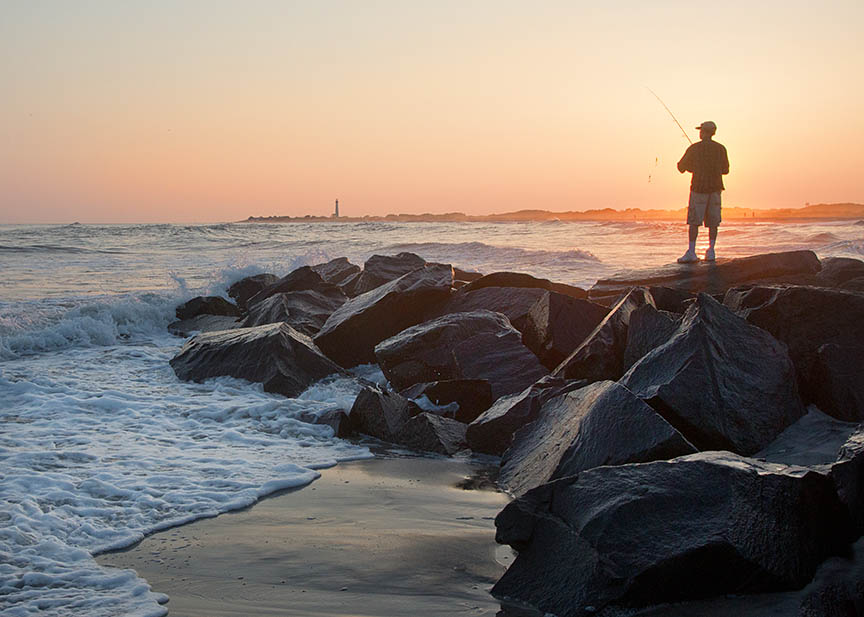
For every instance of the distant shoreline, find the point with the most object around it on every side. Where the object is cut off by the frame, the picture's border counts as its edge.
(818, 212)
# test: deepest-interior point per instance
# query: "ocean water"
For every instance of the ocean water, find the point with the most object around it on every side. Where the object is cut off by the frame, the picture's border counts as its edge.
(101, 445)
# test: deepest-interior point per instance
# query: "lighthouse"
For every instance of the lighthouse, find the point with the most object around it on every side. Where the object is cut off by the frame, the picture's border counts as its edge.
(336, 212)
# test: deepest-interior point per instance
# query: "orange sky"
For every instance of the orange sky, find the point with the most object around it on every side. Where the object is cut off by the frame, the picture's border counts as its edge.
(212, 111)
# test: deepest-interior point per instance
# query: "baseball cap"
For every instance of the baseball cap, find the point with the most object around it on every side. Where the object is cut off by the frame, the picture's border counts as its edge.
(708, 126)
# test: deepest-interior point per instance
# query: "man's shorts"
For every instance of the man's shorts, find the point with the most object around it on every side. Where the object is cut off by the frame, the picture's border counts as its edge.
(704, 208)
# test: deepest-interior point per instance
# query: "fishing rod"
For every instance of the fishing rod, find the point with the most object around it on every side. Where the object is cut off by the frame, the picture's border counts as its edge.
(686, 136)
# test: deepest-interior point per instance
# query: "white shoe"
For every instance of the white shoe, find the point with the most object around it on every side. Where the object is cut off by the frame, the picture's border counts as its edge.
(709, 255)
(688, 258)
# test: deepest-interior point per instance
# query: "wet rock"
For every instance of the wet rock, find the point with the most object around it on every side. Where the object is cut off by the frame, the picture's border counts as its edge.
(805, 319)
(336, 271)
(476, 345)
(792, 266)
(856, 285)
(701, 525)
(432, 433)
(301, 279)
(275, 355)
(600, 424)
(723, 383)
(466, 276)
(305, 311)
(203, 323)
(514, 302)
(518, 279)
(838, 270)
(334, 418)
(492, 431)
(206, 305)
(472, 396)
(350, 334)
(556, 325)
(601, 355)
(381, 413)
(380, 269)
(648, 329)
(245, 288)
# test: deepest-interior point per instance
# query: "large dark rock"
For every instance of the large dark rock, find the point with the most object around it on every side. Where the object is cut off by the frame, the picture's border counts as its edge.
(203, 323)
(465, 276)
(381, 413)
(206, 305)
(713, 278)
(805, 319)
(601, 355)
(600, 424)
(514, 302)
(648, 329)
(671, 300)
(724, 384)
(701, 525)
(275, 355)
(380, 269)
(492, 431)
(350, 334)
(828, 446)
(472, 396)
(334, 418)
(519, 279)
(336, 271)
(245, 288)
(301, 279)
(476, 345)
(556, 324)
(433, 433)
(838, 270)
(305, 311)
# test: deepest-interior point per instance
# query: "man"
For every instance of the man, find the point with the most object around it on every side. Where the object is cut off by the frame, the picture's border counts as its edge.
(707, 161)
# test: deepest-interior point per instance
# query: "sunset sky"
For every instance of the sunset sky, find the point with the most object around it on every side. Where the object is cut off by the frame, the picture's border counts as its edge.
(214, 111)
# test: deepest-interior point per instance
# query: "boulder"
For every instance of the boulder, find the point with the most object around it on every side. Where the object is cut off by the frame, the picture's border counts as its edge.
(700, 525)
(465, 276)
(334, 418)
(519, 279)
(350, 334)
(712, 278)
(245, 288)
(600, 424)
(336, 271)
(432, 433)
(492, 431)
(830, 447)
(838, 381)
(275, 355)
(723, 383)
(648, 328)
(476, 345)
(601, 355)
(472, 396)
(838, 270)
(805, 319)
(671, 300)
(556, 324)
(206, 305)
(203, 323)
(856, 285)
(514, 302)
(380, 269)
(301, 279)
(305, 311)
(381, 413)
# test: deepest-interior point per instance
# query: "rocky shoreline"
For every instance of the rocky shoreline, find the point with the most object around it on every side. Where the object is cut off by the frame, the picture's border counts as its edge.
(668, 435)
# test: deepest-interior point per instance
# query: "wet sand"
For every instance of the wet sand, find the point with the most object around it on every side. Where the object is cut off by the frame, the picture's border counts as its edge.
(380, 537)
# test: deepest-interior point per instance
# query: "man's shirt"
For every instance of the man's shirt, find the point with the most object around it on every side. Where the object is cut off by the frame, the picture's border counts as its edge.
(708, 162)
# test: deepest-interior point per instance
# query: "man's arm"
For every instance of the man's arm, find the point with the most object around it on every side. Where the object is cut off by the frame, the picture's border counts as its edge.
(725, 162)
(686, 162)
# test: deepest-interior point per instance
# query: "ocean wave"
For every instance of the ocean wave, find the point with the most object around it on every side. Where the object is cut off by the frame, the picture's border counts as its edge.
(53, 248)
(822, 238)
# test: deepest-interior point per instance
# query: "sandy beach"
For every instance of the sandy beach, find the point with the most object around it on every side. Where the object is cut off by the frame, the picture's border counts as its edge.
(385, 536)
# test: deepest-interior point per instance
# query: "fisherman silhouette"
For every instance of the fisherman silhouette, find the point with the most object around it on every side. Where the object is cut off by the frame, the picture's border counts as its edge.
(708, 162)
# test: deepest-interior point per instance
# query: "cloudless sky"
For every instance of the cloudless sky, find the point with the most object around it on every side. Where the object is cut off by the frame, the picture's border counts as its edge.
(206, 110)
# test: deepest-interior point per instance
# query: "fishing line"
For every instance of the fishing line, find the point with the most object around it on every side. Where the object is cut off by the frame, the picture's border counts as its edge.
(686, 136)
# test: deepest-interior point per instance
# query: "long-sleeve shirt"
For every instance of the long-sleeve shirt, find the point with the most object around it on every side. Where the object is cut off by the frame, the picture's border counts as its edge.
(708, 162)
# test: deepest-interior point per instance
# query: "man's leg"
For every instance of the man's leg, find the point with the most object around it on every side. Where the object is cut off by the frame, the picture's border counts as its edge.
(694, 235)
(690, 256)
